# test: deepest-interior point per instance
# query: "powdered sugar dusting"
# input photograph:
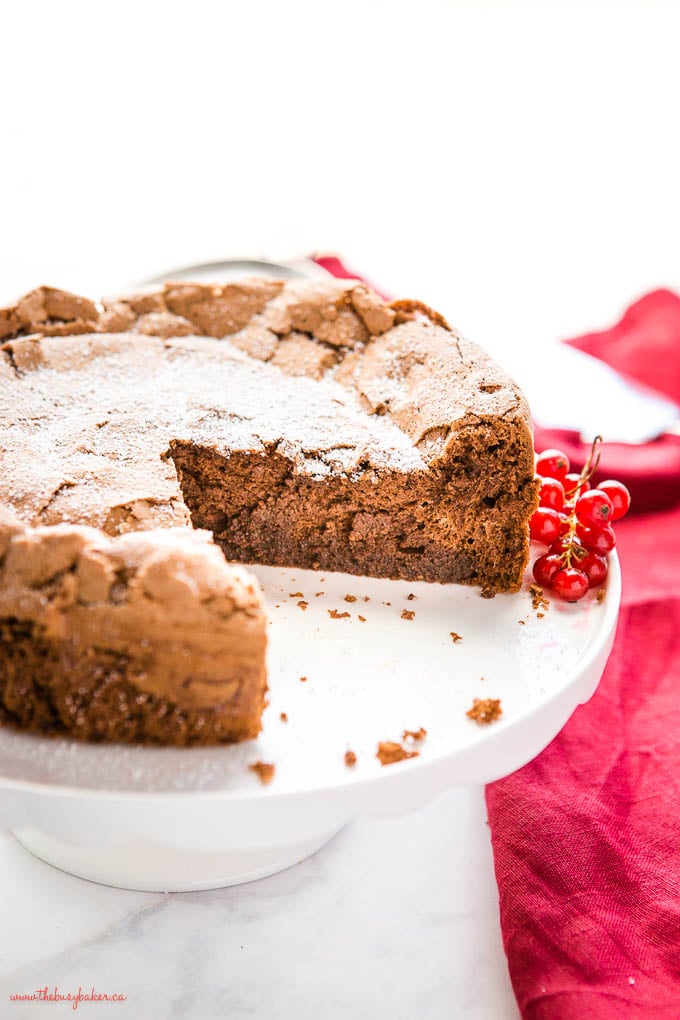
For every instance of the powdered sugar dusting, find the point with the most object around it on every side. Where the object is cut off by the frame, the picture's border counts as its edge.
(86, 429)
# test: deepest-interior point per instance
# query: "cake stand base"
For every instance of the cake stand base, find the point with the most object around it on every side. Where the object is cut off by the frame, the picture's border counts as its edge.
(149, 867)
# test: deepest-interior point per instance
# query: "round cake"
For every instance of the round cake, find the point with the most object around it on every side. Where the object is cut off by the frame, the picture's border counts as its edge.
(150, 442)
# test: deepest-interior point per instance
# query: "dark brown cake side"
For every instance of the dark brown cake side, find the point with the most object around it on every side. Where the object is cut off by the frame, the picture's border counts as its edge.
(96, 696)
(464, 524)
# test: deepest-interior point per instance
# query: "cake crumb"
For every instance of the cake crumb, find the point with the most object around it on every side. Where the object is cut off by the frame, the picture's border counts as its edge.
(418, 734)
(408, 614)
(367, 598)
(455, 637)
(350, 598)
(303, 679)
(320, 593)
(522, 623)
(485, 710)
(296, 595)
(350, 758)
(303, 605)
(387, 603)
(283, 717)
(335, 615)
(389, 752)
(540, 616)
(411, 597)
(362, 618)
(264, 771)
(601, 595)
(538, 599)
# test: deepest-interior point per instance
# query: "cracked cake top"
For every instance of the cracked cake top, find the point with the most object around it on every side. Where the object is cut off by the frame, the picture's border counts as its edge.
(325, 372)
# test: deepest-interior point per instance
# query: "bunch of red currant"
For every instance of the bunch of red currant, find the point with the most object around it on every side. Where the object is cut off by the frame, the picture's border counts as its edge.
(574, 520)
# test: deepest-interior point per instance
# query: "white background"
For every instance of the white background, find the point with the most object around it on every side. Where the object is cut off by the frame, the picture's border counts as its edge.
(515, 165)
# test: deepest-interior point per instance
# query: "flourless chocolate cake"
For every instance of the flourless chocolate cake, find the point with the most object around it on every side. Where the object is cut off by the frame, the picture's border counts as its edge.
(304, 424)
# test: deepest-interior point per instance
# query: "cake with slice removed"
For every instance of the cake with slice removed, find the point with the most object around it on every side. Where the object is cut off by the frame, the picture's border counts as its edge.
(305, 424)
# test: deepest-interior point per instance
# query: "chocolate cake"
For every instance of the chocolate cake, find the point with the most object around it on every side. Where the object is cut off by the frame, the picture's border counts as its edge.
(303, 424)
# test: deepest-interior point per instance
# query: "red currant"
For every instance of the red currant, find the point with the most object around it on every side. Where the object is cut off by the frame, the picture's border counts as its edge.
(594, 567)
(619, 496)
(546, 567)
(594, 508)
(575, 520)
(545, 525)
(598, 540)
(551, 493)
(573, 481)
(552, 464)
(570, 584)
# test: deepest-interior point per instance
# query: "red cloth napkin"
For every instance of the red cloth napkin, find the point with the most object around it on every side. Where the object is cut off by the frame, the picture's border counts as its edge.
(586, 838)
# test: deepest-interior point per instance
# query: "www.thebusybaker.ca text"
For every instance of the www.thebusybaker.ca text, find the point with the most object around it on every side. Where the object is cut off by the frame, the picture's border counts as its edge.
(75, 998)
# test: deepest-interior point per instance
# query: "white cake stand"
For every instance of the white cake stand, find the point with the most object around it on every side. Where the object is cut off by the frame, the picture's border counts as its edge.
(162, 819)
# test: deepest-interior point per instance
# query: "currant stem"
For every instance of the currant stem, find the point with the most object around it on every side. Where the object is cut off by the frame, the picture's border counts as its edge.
(589, 469)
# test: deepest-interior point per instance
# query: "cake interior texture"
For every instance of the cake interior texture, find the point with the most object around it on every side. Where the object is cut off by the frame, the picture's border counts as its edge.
(302, 424)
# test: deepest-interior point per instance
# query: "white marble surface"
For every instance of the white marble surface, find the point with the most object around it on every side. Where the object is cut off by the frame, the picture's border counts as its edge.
(394, 918)
(514, 164)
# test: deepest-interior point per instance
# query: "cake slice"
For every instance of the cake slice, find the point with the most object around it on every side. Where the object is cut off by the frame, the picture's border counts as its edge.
(412, 459)
(149, 637)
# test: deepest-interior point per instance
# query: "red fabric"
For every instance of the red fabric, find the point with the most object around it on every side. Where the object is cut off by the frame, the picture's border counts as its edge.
(586, 838)
(333, 265)
(644, 345)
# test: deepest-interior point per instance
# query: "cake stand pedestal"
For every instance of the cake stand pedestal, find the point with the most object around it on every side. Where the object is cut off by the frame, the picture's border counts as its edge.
(172, 819)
